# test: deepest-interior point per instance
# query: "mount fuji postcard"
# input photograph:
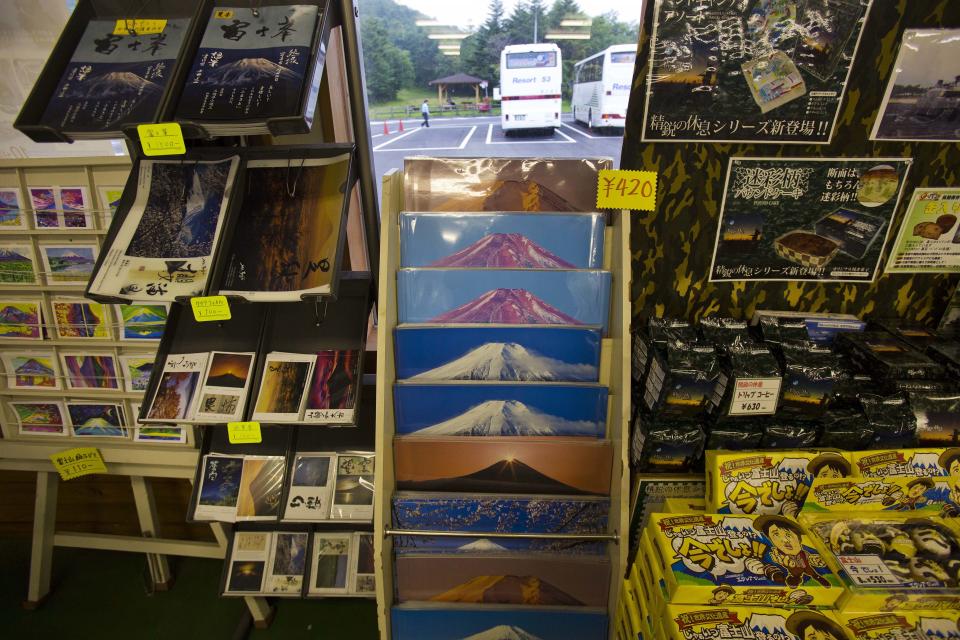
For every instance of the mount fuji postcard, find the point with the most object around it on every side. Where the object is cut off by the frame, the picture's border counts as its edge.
(493, 409)
(508, 296)
(502, 240)
(497, 622)
(528, 354)
(417, 544)
(525, 465)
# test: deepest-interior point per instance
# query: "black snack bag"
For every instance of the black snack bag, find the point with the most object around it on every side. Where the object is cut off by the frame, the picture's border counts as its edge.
(790, 435)
(938, 418)
(776, 331)
(809, 376)
(845, 427)
(891, 419)
(752, 380)
(722, 332)
(671, 447)
(886, 357)
(664, 330)
(733, 438)
(682, 382)
(947, 353)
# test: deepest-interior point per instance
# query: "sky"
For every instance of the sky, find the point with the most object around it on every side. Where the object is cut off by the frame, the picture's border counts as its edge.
(929, 56)
(474, 12)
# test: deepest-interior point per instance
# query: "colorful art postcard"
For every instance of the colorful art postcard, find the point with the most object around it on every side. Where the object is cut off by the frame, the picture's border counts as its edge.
(12, 210)
(521, 296)
(929, 237)
(31, 369)
(552, 466)
(481, 622)
(77, 208)
(68, 263)
(175, 395)
(334, 387)
(330, 563)
(97, 419)
(288, 235)
(248, 562)
(502, 240)
(683, 621)
(18, 264)
(363, 578)
(765, 71)
(226, 381)
(219, 488)
(260, 488)
(40, 418)
(157, 433)
(311, 486)
(353, 493)
(137, 370)
(288, 563)
(283, 384)
(76, 318)
(91, 371)
(21, 318)
(109, 201)
(46, 209)
(527, 354)
(921, 99)
(142, 321)
(803, 219)
(496, 409)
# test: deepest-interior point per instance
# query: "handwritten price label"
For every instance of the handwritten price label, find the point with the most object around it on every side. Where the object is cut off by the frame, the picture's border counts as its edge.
(81, 461)
(757, 396)
(165, 139)
(622, 189)
(244, 433)
(139, 27)
(210, 308)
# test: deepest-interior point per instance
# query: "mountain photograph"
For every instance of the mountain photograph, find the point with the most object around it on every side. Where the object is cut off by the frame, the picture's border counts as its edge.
(143, 321)
(509, 361)
(229, 370)
(415, 621)
(506, 306)
(504, 251)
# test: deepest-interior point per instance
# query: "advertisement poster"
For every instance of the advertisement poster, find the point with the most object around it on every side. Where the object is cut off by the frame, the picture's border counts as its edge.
(817, 219)
(764, 71)
(929, 238)
(922, 101)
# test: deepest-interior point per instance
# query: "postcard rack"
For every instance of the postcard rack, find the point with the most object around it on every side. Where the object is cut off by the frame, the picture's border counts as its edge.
(614, 373)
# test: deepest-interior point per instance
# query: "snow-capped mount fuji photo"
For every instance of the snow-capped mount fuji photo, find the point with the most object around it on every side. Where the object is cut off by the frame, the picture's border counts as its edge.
(503, 632)
(509, 418)
(505, 251)
(509, 361)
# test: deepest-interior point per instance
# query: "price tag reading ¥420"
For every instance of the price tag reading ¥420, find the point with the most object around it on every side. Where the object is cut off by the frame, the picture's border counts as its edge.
(755, 396)
(210, 308)
(244, 432)
(622, 189)
(81, 461)
(164, 139)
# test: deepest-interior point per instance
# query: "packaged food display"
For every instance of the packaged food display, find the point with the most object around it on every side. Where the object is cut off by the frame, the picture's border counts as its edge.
(684, 505)
(887, 463)
(933, 496)
(881, 625)
(688, 622)
(887, 357)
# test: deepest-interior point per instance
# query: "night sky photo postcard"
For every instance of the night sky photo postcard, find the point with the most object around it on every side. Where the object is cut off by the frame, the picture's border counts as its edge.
(77, 207)
(174, 397)
(260, 488)
(353, 494)
(529, 354)
(31, 369)
(76, 318)
(502, 240)
(519, 296)
(219, 488)
(311, 487)
(363, 576)
(288, 563)
(21, 318)
(426, 622)
(330, 563)
(40, 418)
(91, 371)
(18, 264)
(282, 386)
(68, 263)
(496, 409)
(142, 321)
(334, 386)
(137, 370)
(248, 561)
(223, 395)
(12, 210)
(97, 419)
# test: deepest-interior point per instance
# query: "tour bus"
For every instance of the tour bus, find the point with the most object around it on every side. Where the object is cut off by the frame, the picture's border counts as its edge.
(601, 86)
(530, 85)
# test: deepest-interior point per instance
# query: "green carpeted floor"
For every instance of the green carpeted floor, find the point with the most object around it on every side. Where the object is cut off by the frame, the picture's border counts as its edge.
(102, 595)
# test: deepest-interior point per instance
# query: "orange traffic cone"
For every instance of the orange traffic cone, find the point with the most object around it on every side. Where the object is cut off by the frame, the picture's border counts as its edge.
(401, 125)
(386, 130)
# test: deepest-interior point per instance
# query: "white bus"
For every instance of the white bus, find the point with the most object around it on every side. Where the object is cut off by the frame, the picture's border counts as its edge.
(531, 77)
(601, 86)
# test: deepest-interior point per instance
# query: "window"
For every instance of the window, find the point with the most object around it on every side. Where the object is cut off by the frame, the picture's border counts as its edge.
(532, 60)
(623, 57)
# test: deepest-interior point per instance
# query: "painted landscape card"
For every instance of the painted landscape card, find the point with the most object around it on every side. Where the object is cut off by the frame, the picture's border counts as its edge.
(288, 563)
(363, 576)
(282, 387)
(495, 409)
(40, 418)
(76, 318)
(12, 210)
(261, 486)
(137, 370)
(288, 234)
(502, 240)
(175, 394)
(142, 321)
(226, 381)
(425, 622)
(18, 264)
(472, 545)
(109, 201)
(157, 433)
(21, 318)
(519, 296)
(334, 387)
(523, 465)
(31, 369)
(77, 208)
(311, 486)
(330, 563)
(249, 555)
(68, 263)
(219, 488)
(353, 493)
(46, 209)
(97, 419)
(527, 354)
(91, 371)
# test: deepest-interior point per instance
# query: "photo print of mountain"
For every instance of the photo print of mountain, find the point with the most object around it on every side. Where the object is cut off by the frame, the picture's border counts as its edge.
(142, 321)
(68, 264)
(282, 386)
(223, 395)
(465, 622)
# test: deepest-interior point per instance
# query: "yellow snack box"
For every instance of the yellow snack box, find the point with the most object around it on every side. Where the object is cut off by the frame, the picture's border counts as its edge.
(767, 482)
(906, 463)
(730, 559)
(932, 496)
(630, 599)
(685, 622)
(880, 625)
(658, 586)
(642, 591)
(685, 505)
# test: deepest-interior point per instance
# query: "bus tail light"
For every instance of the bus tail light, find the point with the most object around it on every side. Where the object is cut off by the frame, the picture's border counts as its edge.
(611, 116)
(609, 93)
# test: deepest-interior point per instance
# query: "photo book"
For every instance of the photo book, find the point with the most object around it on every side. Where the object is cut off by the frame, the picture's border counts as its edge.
(353, 493)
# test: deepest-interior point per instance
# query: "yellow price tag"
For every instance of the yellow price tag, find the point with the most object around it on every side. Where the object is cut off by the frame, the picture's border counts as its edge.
(164, 139)
(81, 461)
(223, 14)
(623, 189)
(210, 308)
(139, 27)
(244, 432)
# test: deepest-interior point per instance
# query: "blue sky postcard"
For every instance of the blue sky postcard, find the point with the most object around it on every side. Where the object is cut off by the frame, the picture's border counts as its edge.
(528, 354)
(508, 296)
(502, 240)
(494, 409)
(492, 622)
(97, 419)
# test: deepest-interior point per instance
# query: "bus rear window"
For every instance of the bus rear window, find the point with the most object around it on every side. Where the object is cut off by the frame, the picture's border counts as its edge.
(623, 57)
(532, 60)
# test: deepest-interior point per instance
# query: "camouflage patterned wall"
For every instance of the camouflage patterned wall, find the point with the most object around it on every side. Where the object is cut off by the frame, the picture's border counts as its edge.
(672, 247)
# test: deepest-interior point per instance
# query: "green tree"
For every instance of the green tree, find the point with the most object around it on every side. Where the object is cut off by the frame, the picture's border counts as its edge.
(480, 53)
(387, 67)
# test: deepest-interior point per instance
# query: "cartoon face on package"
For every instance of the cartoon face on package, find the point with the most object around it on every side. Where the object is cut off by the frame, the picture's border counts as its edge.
(933, 496)
(906, 463)
(768, 482)
(745, 623)
(744, 560)
(903, 625)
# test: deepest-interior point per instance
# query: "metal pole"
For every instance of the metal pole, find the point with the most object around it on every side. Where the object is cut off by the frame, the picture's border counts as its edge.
(536, 16)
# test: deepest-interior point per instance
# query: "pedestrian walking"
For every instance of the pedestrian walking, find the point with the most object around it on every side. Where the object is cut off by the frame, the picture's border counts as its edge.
(425, 111)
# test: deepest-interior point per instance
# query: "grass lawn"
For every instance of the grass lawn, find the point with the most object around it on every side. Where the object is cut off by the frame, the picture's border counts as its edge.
(413, 97)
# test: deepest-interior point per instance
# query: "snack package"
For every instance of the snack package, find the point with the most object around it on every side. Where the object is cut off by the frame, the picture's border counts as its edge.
(885, 625)
(632, 608)
(642, 589)
(906, 463)
(931, 496)
(655, 579)
(768, 482)
(698, 622)
(685, 505)
(727, 559)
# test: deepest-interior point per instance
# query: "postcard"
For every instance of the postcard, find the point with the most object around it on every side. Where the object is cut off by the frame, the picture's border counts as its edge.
(21, 318)
(529, 354)
(157, 433)
(288, 563)
(97, 419)
(496, 578)
(31, 369)
(417, 544)
(46, 209)
(311, 486)
(519, 296)
(502, 240)
(68, 263)
(353, 495)
(282, 387)
(261, 485)
(137, 370)
(525, 465)
(219, 488)
(18, 264)
(248, 562)
(496, 409)
(288, 234)
(483, 622)
(40, 418)
(77, 208)
(91, 371)
(109, 201)
(330, 562)
(223, 395)
(174, 398)
(166, 243)
(334, 387)
(142, 321)
(12, 214)
(362, 576)
(80, 318)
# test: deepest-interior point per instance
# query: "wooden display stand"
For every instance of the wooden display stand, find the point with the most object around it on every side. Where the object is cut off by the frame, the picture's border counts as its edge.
(614, 372)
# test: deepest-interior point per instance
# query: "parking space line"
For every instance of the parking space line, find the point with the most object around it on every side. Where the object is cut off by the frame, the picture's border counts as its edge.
(489, 132)
(422, 149)
(392, 140)
(585, 135)
(565, 136)
(467, 138)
